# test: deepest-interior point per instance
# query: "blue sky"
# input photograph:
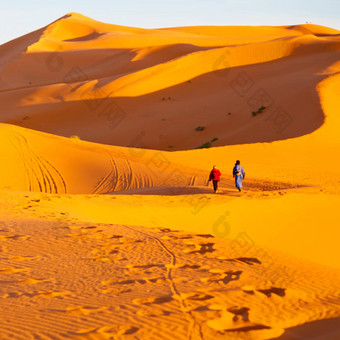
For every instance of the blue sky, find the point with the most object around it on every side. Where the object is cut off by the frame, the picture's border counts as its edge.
(18, 17)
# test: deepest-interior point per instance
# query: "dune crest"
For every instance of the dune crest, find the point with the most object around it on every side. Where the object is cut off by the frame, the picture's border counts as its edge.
(84, 72)
(109, 228)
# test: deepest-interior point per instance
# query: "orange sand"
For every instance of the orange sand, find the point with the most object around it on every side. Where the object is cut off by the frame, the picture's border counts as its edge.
(108, 226)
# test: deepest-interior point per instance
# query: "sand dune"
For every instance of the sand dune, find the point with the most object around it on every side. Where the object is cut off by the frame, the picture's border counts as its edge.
(171, 85)
(108, 226)
(98, 281)
(53, 164)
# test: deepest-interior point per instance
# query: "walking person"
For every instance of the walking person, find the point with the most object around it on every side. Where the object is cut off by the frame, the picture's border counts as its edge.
(238, 174)
(215, 176)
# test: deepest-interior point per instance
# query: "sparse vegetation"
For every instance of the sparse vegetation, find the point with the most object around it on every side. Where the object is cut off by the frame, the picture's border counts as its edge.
(208, 145)
(200, 128)
(260, 110)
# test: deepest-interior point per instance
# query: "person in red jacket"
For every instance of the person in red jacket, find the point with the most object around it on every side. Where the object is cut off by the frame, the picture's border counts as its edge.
(215, 176)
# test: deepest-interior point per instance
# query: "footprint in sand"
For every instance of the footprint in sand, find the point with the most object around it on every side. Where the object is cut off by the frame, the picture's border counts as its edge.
(115, 281)
(153, 312)
(182, 266)
(76, 227)
(193, 296)
(199, 248)
(221, 276)
(228, 320)
(101, 259)
(143, 266)
(268, 292)
(274, 290)
(142, 281)
(114, 236)
(23, 258)
(116, 290)
(12, 295)
(154, 279)
(44, 294)
(13, 270)
(236, 319)
(105, 254)
(84, 234)
(247, 260)
(109, 332)
(107, 249)
(165, 230)
(172, 237)
(141, 269)
(127, 240)
(50, 294)
(13, 237)
(81, 310)
(32, 281)
(249, 289)
(205, 235)
(152, 300)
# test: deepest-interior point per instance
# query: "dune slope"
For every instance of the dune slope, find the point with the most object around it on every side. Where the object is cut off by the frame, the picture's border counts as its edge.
(167, 82)
(108, 226)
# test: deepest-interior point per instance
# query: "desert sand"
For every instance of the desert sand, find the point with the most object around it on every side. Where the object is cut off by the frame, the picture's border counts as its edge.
(109, 228)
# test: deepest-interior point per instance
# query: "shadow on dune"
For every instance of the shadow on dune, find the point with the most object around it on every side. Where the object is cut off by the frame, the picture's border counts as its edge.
(171, 191)
(199, 190)
(316, 330)
(168, 119)
(73, 93)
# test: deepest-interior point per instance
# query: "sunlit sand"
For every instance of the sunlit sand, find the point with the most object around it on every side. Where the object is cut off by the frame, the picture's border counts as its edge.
(109, 227)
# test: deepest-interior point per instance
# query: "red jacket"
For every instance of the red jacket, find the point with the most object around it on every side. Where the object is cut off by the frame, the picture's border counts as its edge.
(215, 175)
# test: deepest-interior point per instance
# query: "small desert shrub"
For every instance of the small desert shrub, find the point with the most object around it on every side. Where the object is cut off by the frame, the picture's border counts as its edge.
(260, 110)
(200, 128)
(207, 145)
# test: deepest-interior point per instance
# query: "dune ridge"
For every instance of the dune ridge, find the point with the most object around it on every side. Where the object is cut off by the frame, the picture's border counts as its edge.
(184, 77)
(108, 225)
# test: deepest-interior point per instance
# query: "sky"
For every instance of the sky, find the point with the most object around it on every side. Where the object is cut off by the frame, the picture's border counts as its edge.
(18, 17)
